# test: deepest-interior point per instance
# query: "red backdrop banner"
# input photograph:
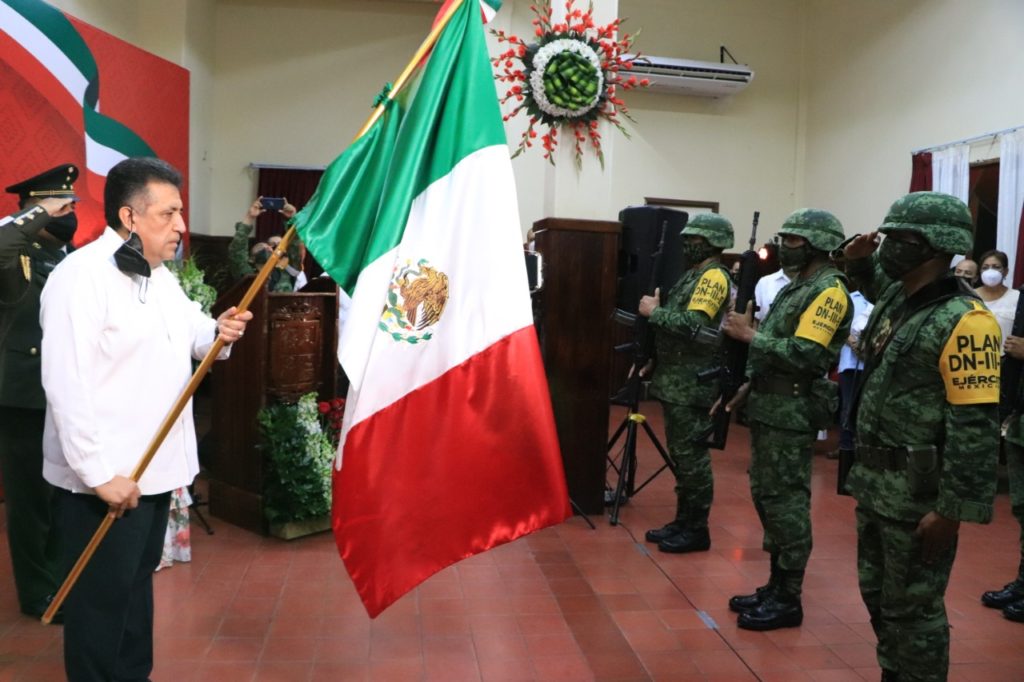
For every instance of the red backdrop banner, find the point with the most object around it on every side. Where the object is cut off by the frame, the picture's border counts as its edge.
(39, 130)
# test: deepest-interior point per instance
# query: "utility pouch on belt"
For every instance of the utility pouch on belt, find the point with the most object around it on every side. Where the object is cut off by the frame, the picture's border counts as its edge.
(824, 403)
(923, 470)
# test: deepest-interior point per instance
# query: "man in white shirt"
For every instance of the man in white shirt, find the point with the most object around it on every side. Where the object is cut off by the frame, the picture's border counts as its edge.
(119, 336)
(850, 367)
(765, 291)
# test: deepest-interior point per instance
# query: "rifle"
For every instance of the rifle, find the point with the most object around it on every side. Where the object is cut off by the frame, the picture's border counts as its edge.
(731, 373)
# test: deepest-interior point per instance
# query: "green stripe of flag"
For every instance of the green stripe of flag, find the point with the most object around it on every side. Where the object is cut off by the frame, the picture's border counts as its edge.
(361, 206)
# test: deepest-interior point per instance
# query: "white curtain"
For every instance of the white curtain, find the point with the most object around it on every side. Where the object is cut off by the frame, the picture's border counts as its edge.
(1011, 193)
(951, 170)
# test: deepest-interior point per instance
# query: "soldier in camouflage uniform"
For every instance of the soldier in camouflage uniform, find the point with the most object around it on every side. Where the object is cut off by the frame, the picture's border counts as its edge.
(1011, 598)
(927, 427)
(698, 299)
(32, 243)
(790, 400)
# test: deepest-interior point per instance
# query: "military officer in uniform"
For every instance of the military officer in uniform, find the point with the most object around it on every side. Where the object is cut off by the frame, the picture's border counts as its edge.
(789, 401)
(927, 424)
(699, 299)
(32, 243)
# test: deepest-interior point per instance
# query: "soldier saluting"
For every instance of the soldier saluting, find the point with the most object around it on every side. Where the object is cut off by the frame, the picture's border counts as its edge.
(927, 424)
(32, 242)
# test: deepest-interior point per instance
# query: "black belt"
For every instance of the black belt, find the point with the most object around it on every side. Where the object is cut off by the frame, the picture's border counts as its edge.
(791, 386)
(888, 459)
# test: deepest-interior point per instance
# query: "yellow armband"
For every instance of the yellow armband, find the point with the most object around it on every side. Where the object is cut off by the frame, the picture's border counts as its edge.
(710, 293)
(821, 320)
(969, 362)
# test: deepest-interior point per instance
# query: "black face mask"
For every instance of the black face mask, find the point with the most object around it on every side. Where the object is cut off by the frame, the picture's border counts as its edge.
(794, 259)
(129, 258)
(696, 252)
(261, 257)
(898, 258)
(63, 227)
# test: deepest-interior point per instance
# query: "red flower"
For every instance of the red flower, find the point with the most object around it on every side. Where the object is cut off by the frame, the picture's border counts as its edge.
(337, 403)
(324, 407)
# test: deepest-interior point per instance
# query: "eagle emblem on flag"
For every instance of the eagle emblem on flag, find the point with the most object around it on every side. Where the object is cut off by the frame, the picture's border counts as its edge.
(416, 300)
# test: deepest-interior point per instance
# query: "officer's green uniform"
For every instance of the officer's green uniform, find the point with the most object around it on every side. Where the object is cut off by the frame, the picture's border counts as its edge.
(26, 260)
(927, 436)
(699, 299)
(790, 400)
(281, 279)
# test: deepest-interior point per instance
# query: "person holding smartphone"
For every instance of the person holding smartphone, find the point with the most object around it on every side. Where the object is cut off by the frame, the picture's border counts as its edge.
(245, 260)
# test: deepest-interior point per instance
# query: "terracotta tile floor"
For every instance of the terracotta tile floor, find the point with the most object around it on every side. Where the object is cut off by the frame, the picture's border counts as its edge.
(568, 603)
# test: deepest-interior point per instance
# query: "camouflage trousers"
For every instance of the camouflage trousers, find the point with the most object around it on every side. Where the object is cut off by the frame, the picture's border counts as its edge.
(780, 484)
(1015, 470)
(904, 597)
(692, 463)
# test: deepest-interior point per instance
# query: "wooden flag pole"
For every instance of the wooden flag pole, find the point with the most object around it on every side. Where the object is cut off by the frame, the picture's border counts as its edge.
(218, 343)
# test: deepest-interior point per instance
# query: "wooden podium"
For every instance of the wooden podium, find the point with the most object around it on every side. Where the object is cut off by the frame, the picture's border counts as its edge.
(289, 349)
(580, 261)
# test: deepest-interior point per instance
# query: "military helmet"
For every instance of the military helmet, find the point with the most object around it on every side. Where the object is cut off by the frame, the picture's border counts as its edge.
(943, 220)
(821, 229)
(715, 228)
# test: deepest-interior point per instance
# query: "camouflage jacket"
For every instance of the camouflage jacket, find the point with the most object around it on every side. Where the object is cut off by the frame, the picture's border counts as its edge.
(800, 339)
(698, 299)
(931, 383)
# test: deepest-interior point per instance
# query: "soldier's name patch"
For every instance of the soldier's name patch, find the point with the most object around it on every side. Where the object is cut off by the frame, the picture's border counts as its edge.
(969, 362)
(822, 318)
(710, 292)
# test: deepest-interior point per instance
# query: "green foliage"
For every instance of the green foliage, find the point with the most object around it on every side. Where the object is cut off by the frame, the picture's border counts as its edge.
(298, 456)
(190, 277)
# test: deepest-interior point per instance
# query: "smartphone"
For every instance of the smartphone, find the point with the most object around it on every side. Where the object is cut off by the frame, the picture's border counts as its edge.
(272, 203)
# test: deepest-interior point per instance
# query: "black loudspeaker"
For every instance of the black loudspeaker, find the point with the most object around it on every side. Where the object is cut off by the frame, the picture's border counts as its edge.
(650, 253)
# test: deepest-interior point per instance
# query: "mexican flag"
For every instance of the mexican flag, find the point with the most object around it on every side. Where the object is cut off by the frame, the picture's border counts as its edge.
(448, 445)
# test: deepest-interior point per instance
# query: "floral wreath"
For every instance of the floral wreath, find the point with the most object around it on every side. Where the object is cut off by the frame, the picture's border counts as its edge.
(568, 78)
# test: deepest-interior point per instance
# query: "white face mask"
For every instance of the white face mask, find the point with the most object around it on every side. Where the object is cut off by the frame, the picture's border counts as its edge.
(991, 277)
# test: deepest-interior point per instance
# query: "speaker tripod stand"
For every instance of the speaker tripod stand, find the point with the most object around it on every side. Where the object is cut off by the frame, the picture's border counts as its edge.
(629, 397)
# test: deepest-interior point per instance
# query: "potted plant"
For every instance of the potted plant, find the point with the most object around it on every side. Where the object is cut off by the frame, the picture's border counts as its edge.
(298, 455)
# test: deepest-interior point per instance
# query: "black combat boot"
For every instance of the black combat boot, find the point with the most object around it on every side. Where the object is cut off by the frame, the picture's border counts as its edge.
(690, 540)
(670, 529)
(1011, 592)
(890, 676)
(742, 603)
(1015, 611)
(780, 608)
(667, 531)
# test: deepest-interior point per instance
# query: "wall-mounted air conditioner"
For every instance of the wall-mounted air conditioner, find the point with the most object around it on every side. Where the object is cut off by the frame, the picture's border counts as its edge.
(689, 77)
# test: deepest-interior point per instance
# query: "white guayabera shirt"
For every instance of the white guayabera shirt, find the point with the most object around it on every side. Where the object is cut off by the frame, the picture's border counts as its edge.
(117, 352)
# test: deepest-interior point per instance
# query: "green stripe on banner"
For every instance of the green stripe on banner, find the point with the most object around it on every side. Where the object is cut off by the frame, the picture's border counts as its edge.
(449, 113)
(55, 26)
(116, 135)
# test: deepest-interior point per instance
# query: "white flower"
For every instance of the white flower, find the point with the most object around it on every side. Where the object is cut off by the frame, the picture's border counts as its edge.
(540, 63)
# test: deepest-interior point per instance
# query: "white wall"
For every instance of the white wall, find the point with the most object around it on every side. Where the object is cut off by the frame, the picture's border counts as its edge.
(296, 81)
(898, 76)
(740, 151)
